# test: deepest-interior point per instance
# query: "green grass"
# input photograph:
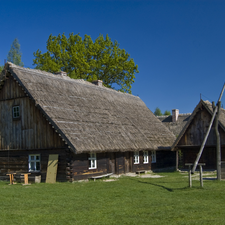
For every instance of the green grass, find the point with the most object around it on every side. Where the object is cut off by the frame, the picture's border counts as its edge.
(129, 200)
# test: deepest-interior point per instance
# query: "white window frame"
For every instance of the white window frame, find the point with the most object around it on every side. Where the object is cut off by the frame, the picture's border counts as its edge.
(145, 157)
(16, 112)
(153, 156)
(136, 157)
(92, 161)
(35, 161)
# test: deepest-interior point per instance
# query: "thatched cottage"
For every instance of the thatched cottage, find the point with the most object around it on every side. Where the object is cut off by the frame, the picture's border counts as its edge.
(92, 129)
(191, 136)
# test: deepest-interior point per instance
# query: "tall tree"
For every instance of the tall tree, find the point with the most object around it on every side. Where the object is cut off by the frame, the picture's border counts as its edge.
(14, 54)
(167, 113)
(88, 60)
(158, 112)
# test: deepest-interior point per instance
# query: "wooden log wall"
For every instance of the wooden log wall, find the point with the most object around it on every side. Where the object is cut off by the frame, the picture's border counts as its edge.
(141, 165)
(117, 163)
(31, 130)
(164, 160)
(223, 170)
(195, 134)
(17, 161)
(208, 157)
(80, 166)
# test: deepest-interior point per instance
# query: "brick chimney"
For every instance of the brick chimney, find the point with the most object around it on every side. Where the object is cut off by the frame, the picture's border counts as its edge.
(62, 73)
(97, 82)
(175, 114)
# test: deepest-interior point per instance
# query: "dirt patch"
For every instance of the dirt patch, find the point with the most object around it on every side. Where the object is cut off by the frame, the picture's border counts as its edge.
(146, 175)
(110, 180)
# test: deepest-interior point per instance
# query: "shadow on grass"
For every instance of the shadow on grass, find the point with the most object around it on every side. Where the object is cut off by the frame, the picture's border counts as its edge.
(209, 178)
(161, 186)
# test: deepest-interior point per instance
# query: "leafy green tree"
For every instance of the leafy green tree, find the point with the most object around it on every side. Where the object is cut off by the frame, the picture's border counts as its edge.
(14, 54)
(88, 60)
(167, 113)
(158, 112)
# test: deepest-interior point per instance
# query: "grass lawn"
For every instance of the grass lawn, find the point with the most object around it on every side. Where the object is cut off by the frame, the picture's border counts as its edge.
(129, 200)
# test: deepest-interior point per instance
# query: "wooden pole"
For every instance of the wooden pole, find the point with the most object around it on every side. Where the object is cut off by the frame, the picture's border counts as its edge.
(201, 177)
(177, 160)
(218, 148)
(190, 181)
(189, 173)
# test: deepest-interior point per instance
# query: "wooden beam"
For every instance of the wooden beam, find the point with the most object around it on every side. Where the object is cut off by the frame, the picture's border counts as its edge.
(218, 147)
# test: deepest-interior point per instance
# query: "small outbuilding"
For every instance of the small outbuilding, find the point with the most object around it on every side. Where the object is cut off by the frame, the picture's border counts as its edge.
(190, 138)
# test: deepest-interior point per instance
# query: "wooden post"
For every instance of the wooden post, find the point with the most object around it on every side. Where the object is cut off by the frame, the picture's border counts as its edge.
(189, 173)
(218, 148)
(201, 173)
(177, 160)
(201, 180)
(190, 181)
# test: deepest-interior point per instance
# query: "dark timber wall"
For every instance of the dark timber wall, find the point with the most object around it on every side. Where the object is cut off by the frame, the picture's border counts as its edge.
(31, 131)
(189, 145)
(30, 134)
(17, 162)
(80, 166)
(118, 163)
(164, 160)
(196, 131)
(208, 157)
(141, 165)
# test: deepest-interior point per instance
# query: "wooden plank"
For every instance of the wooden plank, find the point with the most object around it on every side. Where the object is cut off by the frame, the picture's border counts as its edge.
(52, 168)
(101, 176)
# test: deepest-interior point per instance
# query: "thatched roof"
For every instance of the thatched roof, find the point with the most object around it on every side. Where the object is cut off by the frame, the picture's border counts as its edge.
(208, 106)
(175, 127)
(90, 117)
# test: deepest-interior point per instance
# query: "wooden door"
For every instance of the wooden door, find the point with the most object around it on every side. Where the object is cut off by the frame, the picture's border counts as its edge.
(127, 162)
(112, 166)
(119, 163)
(52, 168)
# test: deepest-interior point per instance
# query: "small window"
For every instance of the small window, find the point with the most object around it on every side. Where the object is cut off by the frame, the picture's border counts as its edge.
(153, 156)
(16, 112)
(92, 161)
(34, 163)
(145, 157)
(136, 157)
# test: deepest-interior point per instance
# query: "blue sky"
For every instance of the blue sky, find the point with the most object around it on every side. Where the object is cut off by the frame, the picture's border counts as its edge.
(179, 46)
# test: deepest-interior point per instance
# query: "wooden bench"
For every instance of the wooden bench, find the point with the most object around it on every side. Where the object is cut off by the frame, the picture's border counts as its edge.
(25, 176)
(140, 171)
(101, 176)
(11, 178)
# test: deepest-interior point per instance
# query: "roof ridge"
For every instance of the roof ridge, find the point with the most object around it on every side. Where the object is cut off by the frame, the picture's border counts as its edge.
(68, 79)
(180, 114)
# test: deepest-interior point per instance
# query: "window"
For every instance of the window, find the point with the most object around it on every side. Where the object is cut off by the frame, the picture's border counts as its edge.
(92, 161)
(136, 157)
(145, 157)
(153, 156)
(34, 163)
(16, 112)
